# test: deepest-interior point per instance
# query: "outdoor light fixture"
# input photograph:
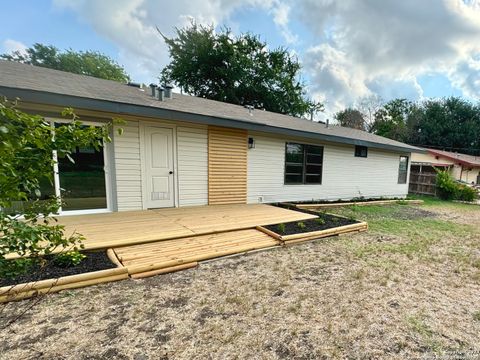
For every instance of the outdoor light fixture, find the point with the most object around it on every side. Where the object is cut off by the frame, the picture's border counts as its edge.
(251, 143)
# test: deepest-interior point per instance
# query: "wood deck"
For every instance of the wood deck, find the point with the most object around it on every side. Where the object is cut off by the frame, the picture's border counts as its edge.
(135, 227)
(189, 250)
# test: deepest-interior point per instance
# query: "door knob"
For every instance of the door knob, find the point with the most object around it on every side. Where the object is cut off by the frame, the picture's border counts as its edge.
(170, 172)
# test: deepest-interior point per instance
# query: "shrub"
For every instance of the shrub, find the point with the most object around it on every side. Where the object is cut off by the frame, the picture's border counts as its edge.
(10, 269)
(320, 221)
(448, 189)
(301, 225)
(465, 193)
(281, 228)
(27, 143)
(446, 186)
(69, 259)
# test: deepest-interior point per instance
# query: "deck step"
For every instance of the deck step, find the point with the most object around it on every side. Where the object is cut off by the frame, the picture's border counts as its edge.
(172, 254)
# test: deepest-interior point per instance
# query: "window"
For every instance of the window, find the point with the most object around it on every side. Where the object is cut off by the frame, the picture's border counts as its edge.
(303, 164)
(81, 185)
(403, 170)
(361, 151)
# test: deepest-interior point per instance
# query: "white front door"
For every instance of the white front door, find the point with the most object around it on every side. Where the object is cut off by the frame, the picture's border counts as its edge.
(159, 167)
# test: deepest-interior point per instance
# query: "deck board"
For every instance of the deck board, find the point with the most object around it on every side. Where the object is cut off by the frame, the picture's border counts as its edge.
(136, 227)
(169, 253)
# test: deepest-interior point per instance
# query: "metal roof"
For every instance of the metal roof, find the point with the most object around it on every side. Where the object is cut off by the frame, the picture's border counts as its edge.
(53, 87)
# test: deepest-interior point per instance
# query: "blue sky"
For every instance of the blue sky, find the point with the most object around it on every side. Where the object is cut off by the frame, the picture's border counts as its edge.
(349, 50)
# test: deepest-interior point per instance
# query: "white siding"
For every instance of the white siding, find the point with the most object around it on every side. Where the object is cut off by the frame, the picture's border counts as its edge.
(127, 167)
(192, 153)
(344, 175)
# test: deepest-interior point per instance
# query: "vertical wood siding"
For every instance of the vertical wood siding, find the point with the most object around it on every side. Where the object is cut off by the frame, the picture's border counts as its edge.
(344, 175)
(192, 152)
(227, 166)
(127, 167)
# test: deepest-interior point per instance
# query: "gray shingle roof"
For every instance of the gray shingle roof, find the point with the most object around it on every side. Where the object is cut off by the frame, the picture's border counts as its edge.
(34, 79)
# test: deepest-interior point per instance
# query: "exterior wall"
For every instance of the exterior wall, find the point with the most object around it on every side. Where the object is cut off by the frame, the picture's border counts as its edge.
(344, 175)
(468, 174)
(192, 152)
(457, 171)
(126, 154)
(429, 158)
(191, 168)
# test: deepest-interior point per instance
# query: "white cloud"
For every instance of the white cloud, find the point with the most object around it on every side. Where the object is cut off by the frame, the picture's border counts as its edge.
(376, 47)
(131, 25)
(10, 46)
(281, 18)
(358, 47)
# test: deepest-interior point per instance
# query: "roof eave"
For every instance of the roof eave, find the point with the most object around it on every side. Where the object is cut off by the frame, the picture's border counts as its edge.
(453, 158)
(42, 97)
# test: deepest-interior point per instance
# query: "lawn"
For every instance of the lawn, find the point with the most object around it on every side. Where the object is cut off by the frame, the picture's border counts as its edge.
(408, 288)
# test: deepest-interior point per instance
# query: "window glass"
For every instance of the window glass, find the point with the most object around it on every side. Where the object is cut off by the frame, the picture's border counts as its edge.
(294, 153)
(303, 164)
(403, 170)
(361, 151)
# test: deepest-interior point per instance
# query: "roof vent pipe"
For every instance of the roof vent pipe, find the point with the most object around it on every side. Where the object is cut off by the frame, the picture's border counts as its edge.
(168, 91)
(152, 89)
(326, 123)
(159, 93)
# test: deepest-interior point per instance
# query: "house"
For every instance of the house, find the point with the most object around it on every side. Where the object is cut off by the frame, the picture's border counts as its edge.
(178, 150)
(462, 167)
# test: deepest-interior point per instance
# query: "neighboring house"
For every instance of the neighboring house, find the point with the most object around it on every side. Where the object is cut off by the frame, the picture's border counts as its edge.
(184, 150)
(462, 167)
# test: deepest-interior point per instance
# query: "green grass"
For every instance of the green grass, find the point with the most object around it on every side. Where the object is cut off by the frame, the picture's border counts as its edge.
(436, 202)
(407, 231)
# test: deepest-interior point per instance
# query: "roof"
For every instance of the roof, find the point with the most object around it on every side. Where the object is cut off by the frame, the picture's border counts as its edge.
(464, 159)
(53, 87)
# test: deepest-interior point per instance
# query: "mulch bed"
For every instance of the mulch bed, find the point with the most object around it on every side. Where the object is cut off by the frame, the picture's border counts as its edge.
(340, 201)
(94, 261)
(324, 222)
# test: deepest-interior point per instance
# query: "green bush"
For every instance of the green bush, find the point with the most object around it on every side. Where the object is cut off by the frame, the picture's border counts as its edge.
(10, 269)
(446, 186)
(465, 193)
(448, 189)
(301, 225)
(69, 259)
(281, 228)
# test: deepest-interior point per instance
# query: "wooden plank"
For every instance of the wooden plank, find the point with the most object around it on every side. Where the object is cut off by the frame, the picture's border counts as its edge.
(227, 165)
(360, 203)
(113, 230)
(164, 271)
(164, 254)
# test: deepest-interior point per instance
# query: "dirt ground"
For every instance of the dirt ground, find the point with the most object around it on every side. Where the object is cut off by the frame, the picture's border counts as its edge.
(408, 288)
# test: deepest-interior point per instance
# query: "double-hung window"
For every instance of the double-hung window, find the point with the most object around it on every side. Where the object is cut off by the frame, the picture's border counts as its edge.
(303, 164)
(403, 170)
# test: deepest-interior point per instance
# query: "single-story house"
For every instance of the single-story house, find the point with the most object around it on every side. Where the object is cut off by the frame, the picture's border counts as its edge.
(178, 150)
(462, 167)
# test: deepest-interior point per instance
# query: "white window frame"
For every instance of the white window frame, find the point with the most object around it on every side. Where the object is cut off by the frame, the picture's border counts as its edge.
(106, 168)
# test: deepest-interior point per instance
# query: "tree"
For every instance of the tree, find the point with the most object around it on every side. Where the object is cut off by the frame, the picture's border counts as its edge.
(90, 63)
(452, 124)
(368, 107)
(236, 69)
(391, 120)
(27, 143)
(351, 118)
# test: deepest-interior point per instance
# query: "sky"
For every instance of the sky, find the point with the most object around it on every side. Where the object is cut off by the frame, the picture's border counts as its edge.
(349, 49)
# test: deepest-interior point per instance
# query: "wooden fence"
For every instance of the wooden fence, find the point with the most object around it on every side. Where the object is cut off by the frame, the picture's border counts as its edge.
(423, 183)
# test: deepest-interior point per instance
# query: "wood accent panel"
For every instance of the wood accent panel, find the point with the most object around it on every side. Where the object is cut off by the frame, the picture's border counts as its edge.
(227, 166)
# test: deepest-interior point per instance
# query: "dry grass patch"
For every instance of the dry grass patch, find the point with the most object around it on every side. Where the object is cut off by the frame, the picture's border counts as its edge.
(408, 288)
